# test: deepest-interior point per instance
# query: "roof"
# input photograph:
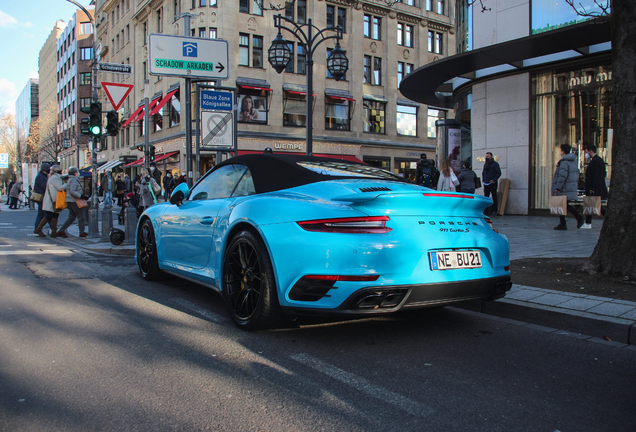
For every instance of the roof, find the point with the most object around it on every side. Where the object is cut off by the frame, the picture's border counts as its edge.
(273, 172)
(427, 82)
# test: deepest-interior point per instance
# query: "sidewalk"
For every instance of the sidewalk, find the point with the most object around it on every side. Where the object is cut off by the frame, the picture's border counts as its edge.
(583, 316)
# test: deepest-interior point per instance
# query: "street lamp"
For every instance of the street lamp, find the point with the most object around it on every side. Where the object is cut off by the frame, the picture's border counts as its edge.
(279, 56)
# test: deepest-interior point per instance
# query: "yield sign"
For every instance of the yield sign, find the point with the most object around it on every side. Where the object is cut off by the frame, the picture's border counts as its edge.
(116, 93)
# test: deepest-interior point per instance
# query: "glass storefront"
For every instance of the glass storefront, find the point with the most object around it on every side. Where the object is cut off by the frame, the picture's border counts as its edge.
(568, 107)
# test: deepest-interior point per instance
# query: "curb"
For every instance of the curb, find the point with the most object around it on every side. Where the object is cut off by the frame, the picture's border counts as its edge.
(616, 329)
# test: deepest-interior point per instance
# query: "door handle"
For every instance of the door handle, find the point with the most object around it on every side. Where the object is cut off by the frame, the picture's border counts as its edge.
(207, 220)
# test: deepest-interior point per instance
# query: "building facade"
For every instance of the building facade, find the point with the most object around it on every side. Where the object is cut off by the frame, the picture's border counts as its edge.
(362, 116)
(528, 77)
(26, 112)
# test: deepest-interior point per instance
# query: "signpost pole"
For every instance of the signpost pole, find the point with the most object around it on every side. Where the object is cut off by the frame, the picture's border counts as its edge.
(146, 126)
(197, 132)
(188, 112)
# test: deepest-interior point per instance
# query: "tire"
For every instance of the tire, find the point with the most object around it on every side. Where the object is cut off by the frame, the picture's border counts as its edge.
(147, 251)
(249, 287)
(117, 236)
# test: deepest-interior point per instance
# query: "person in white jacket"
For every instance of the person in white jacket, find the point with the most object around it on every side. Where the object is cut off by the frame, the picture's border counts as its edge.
(73, 191)
(447, 178)
(54, 185)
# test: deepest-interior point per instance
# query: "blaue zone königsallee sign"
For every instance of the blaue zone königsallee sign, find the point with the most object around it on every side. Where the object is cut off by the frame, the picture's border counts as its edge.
(188, 57)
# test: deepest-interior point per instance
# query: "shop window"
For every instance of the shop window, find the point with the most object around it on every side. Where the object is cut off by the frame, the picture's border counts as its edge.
(374, 117)
(406, 168)
(175, 109)
(252, 106)
(406, 120)
(433, 116)
(337, 114)
(294, 109)
(378, 162)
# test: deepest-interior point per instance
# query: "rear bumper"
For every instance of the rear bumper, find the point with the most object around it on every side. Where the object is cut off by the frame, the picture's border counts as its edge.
(388, 299)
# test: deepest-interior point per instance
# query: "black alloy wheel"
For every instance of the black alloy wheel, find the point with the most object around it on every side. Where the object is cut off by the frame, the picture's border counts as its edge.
(147, 251)
(249, 288)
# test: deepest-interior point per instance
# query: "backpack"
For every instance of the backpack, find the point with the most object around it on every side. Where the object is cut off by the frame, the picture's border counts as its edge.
(426, 171)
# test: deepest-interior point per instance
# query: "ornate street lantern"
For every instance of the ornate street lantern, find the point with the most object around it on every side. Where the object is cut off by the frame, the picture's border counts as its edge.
(279, 53)
(337, 63)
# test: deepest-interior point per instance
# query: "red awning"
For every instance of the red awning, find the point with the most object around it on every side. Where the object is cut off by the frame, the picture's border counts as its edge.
(165, 99)
(349, 158)
(255, 88)
(132, 116)
(341, 98)
(299, 93)
(150, 106)
(157, 159)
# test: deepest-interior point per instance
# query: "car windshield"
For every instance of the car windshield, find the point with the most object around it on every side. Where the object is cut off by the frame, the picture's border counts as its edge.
(345, 169)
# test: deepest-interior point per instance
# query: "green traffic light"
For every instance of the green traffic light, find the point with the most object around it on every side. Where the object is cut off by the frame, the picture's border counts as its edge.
(96, 130)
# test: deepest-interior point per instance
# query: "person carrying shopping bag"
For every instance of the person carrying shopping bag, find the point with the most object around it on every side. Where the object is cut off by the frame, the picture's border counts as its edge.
(51, 212)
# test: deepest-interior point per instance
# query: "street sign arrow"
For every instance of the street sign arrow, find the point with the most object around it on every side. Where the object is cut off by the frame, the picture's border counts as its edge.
(117, 93)
(220, 67)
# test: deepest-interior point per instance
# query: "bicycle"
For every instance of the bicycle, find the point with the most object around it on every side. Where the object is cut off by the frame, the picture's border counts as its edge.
(22, 202)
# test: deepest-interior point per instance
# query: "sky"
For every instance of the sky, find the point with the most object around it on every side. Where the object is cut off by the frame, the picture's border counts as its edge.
(24, 28)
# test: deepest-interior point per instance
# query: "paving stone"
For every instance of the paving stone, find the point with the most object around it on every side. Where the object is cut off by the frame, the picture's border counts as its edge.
(551, 299)
(524, 295)
(580, 304)
(631, 315)
(611, 309)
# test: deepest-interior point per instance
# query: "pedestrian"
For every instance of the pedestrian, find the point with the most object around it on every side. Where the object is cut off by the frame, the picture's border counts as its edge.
(108, 185)
(120, 188)
(168, 185)
(148, 188)
(467, 178)
(181, 179)
(447, 179)
(594, 180)
(14, 194)
(127, 183)
(8, 191)
(566, 182)
(53, 186)
(490, 176)
(155, 173)
(425, 172)
(73, 191)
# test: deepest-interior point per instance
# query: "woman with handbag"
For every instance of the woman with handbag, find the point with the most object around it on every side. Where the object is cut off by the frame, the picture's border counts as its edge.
(148, 188)
(565, 183)
(447, 179)
(51, 203)
(120, 187)
(74, 199)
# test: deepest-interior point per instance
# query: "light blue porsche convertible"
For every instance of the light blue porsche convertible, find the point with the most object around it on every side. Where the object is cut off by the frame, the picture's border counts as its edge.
(290, 235)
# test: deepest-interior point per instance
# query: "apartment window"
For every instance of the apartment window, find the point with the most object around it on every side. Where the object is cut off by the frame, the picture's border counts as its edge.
(157, 121)
(127, 33)
(407, 2)
(159, 21)
(406, 120)
(405, 35)
(86, 28)
(435, 6)
(434, 42)
(117, 43)
(433, 116)
(117, 15)
(301, 59)
(244, 6)
(213, 33)
(400, 73)
(176, 9)
(244, 49)
(329, 50)
(372, 26)
(367, 69)
(85, 102)
(145, 30)
(86, 53)
(257, 51)
(202, 32)
(297, 9)
(294, 109)
(337, 114)
(374, 117)
(202, 3)
(174, 108)
(85, 78)
(377, 71)
(337, 17)
(372, 70)
(112, 19)
(290, 66)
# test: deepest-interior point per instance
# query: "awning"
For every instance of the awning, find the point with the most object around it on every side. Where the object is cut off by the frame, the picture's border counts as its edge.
(375, 98)
(109, 165)
(132, 116)
(163, 101)
(157, 159)
(253, 84)
(408, 102)
(298, 89)
(151, 104)
(349, 158)
(339, 94)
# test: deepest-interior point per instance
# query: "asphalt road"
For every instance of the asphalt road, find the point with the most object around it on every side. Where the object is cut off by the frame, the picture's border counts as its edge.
(86, 344)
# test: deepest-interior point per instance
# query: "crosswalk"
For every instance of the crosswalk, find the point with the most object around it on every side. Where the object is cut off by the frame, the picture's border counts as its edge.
(13, 247)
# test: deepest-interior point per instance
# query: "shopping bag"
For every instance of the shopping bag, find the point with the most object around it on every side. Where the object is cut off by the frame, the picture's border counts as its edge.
(36, 197)
(60, 201)
(81, 203)
(592, 205)
(559, 205)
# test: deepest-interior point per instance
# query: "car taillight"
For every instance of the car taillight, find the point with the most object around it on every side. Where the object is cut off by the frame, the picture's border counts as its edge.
(336, 278)
(445, 195)
(358, 225)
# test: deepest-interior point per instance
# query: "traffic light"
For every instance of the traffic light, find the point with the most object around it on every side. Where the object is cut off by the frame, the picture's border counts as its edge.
(95, 119)
(152, 153)
(112, 123)
(140, 147)
(84, 126)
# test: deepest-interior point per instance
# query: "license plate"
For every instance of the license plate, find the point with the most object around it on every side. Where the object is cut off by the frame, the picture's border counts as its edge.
(447, 260)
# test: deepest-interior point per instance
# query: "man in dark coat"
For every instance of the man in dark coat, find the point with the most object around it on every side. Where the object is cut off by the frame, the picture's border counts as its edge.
(155, 173)
(490, 175)
(594, 180)
(39, 187)
(425, 172)
(11, 183)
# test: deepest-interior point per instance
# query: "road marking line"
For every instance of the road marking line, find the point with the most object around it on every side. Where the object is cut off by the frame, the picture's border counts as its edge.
(205, 313)
(361, 384)
(37, 252)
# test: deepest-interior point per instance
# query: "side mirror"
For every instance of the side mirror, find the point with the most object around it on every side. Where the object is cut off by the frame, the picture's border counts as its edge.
(179, 194)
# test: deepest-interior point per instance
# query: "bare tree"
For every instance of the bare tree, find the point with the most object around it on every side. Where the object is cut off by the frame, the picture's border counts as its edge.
(7, 143)
(48, 146)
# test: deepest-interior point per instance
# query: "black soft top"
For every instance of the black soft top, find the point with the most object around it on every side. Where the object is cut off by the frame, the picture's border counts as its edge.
(274, 172)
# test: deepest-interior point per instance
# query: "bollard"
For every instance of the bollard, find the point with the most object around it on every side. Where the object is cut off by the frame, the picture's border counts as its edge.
(130, 227)
(93, 222)
(107, 224)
